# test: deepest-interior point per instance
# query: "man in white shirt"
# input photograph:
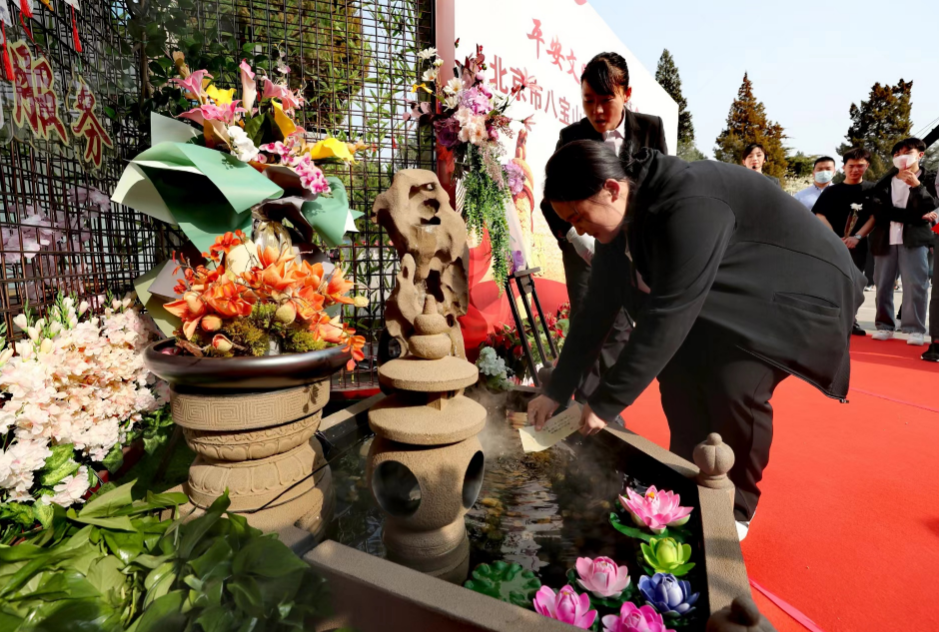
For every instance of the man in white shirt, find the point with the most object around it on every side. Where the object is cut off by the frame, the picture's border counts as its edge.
(823, 172)
(904, 213)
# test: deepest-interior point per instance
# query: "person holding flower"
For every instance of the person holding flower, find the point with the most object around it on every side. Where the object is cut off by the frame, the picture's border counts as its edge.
(745, 288)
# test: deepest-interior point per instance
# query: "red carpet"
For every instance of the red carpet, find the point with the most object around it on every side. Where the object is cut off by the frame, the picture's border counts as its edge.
(847, 530)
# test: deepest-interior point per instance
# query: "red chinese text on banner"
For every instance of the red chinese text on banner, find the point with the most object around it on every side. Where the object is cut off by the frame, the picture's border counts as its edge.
(73, 7)
(35, 103)
(89, 125)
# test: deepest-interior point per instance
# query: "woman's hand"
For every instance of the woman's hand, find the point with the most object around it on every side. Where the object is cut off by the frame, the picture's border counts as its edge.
(590, 424)
(540, 410)
(931, 217)
(851, 242)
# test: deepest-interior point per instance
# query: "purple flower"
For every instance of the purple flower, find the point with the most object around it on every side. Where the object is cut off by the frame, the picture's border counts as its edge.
(448, 132)
(475, 100)
(671, 596)
(515, 176)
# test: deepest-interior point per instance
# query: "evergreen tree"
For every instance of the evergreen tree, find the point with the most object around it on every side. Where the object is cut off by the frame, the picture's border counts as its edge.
(878, 123)
(747, 123)
(667, 76)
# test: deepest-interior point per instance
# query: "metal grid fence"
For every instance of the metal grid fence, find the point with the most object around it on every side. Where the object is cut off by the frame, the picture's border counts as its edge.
(59, 231)
(357, 60)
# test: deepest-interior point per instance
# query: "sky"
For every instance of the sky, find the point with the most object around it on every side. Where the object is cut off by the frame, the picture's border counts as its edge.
(808, 61)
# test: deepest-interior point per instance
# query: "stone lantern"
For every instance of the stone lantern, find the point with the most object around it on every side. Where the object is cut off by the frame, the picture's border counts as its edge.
(426, 464)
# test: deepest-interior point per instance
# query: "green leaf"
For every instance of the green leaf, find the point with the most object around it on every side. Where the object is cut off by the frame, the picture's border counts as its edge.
(156, 575)
(108, 503)
(266, 557)
(216, 619)
(115, 459)
(217, 553)
(44, 514)
(61, 454)
(119, 523)
(164, 614)
(682, 570)
(247, 595)
(150, 561)
(105, 574)
(126, 546)
(74, 615)
(18, 513)
(629, 530)
(159, 589)
(194, 531)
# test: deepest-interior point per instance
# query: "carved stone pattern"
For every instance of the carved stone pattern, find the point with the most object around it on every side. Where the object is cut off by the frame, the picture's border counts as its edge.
(219, 413)
(256, 444)
(252, 484)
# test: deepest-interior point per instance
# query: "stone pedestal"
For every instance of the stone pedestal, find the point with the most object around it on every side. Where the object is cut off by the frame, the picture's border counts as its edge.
(260, 447)
(426, 464)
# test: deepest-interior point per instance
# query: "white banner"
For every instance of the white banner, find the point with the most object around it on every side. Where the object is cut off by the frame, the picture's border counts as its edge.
(552, 41)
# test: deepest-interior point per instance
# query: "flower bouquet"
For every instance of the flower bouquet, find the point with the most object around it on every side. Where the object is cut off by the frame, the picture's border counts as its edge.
(252, 170)
(469, 118)
(507, 343)
(76, 390)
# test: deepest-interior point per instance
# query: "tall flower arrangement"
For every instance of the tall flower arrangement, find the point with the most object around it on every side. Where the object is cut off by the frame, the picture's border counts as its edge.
(469, 117)
(75, 386)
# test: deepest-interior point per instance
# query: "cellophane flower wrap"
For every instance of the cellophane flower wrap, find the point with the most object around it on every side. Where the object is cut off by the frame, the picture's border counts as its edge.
(75, 387)
(277, 298)
(469, 118)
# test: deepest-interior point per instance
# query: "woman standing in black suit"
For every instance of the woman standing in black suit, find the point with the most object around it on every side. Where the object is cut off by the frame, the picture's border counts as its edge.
(606, 91)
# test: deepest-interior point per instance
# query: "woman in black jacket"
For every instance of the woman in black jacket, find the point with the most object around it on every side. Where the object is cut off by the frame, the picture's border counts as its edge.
(745, 288)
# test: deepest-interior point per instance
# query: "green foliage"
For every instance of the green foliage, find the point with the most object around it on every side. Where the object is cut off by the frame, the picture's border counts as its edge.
(666, 74)
(115, 566)
(690, 152)
(800, 165)
(484, 208)
(301, 341)
(747, 123)
(878, 123)
(506, 582)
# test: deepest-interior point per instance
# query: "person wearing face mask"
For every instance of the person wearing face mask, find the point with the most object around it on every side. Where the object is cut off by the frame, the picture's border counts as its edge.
(904, 210)
(745, 289)
(754, 157)
(605, 90)
(845, 209)
(823, 172)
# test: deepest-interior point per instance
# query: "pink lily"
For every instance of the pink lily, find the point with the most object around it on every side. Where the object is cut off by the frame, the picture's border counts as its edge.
(417, 111)
(210, 112)
(192, 85)
(249, 87)
(565, 606)
(602, 576)
(289, 99)
(656, 509)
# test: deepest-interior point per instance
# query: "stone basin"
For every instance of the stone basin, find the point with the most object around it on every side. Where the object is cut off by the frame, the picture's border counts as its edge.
(358, 572)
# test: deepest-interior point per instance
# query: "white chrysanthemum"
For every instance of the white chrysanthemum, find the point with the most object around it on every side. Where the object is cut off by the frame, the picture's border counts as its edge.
(453, 87)
(427, 53)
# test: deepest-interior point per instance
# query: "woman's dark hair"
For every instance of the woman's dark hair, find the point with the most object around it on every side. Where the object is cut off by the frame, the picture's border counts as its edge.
(579, 170)
(606, 72)
(749, 149)
(857, 153)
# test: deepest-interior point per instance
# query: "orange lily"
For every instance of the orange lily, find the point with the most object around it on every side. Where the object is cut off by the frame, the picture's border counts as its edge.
(224, 243)
(337, 287)
(226, 298)
(190, 310)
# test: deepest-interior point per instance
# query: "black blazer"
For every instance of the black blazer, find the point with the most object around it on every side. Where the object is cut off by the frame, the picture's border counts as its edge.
(916, 230)
(723, 249)
(642, 130)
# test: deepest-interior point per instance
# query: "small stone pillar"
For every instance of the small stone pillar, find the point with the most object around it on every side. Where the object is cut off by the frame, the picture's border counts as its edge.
(715, 459)
(426, 464)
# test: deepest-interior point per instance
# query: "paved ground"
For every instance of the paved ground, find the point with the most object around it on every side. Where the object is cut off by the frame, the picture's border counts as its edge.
(868, 311)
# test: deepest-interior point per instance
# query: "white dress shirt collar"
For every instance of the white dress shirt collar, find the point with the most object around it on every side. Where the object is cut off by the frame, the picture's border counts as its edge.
(616, 137)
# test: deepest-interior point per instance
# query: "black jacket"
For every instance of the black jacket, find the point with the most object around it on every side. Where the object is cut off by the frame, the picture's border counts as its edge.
(723, 246)
(916, 230)
(642, 130)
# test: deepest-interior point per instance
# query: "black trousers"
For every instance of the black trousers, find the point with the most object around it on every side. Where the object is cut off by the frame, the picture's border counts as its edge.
(934, 299)
(712, 386)
(577, 273)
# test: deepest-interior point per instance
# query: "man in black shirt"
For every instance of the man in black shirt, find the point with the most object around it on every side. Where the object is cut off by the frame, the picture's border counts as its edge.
(845, 208)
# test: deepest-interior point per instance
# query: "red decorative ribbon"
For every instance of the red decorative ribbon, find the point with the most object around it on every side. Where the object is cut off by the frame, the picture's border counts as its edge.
(78, 44)
(7, 64)
(788, 609)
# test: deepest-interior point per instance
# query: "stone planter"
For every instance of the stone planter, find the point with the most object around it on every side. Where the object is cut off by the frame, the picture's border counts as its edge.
(252, 422)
